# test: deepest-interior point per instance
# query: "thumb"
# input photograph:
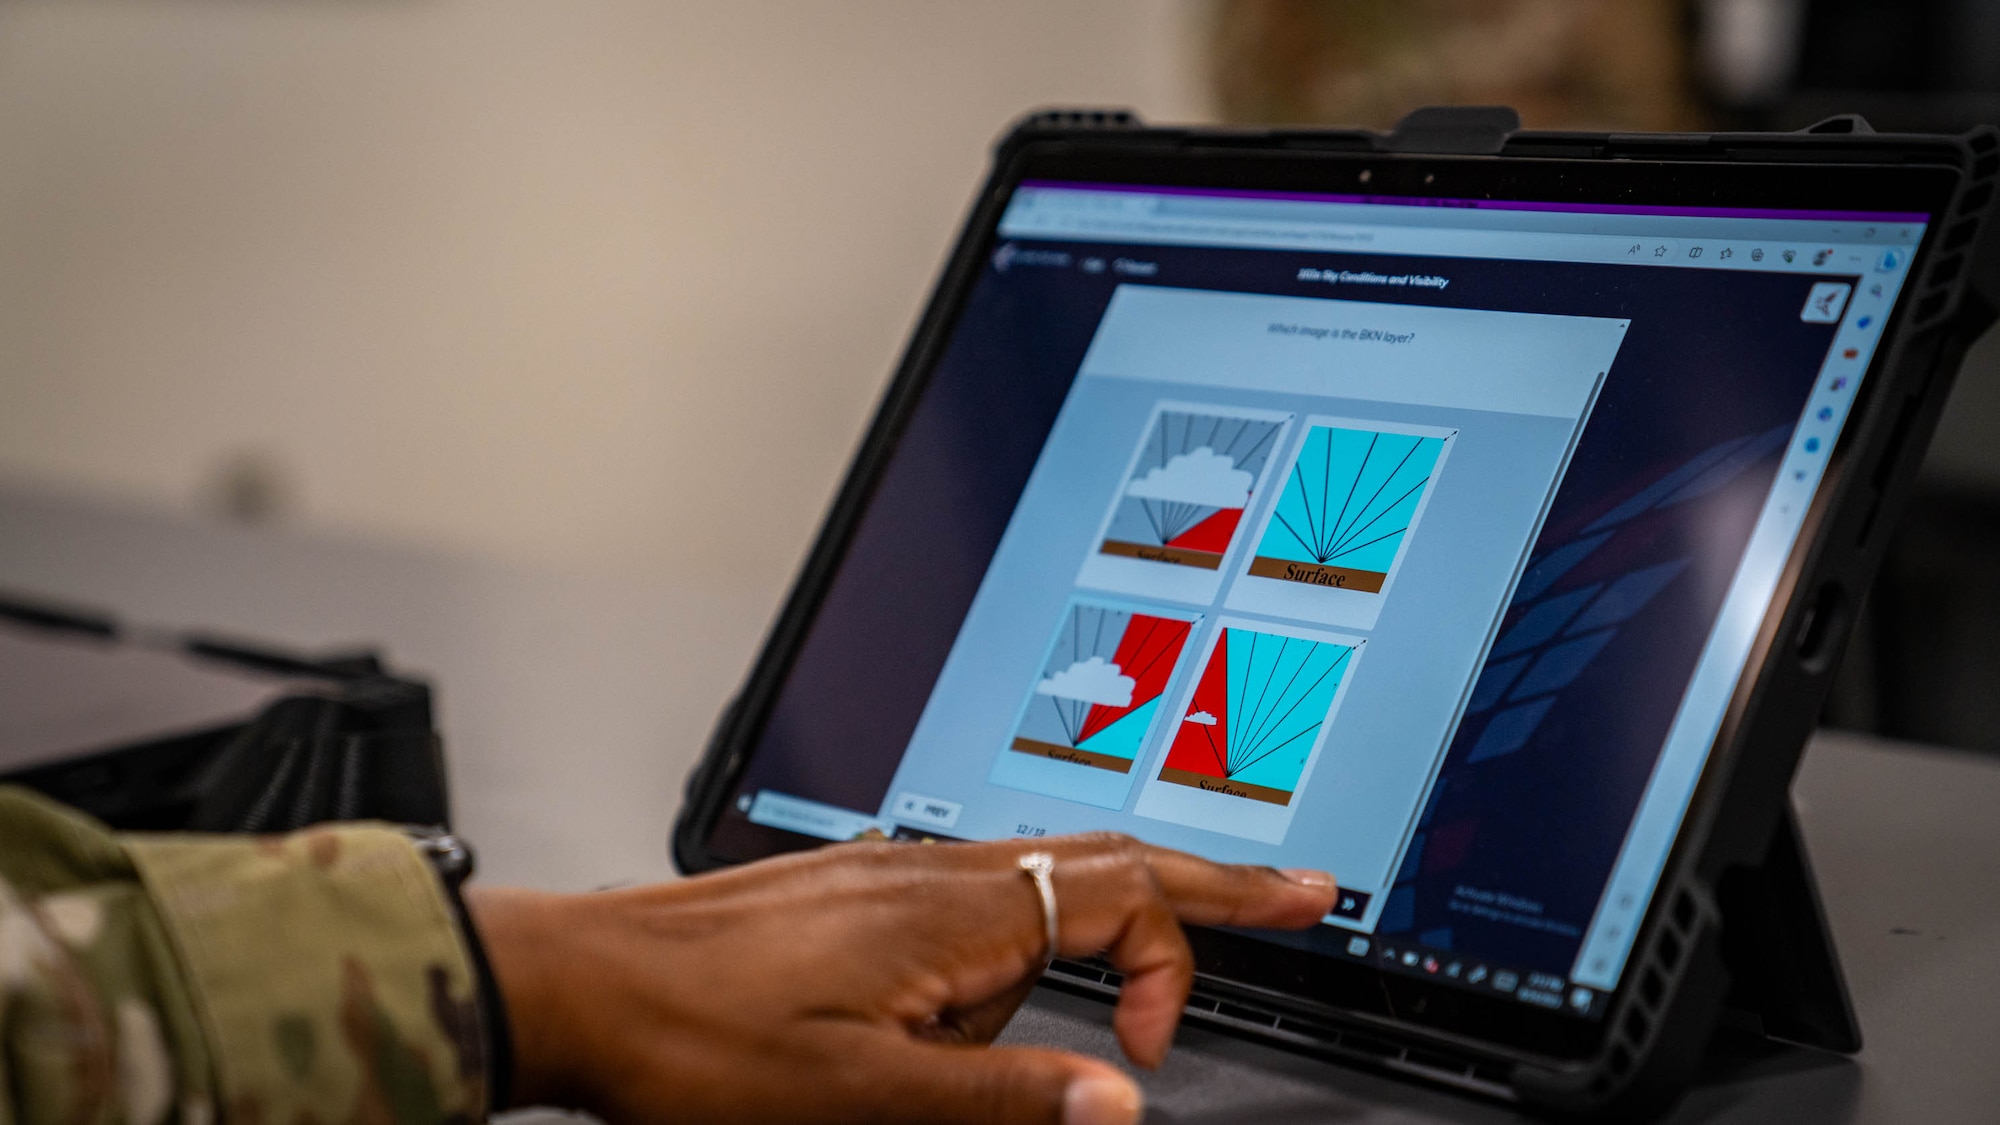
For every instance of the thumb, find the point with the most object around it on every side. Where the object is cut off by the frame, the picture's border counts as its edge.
(925, 1083)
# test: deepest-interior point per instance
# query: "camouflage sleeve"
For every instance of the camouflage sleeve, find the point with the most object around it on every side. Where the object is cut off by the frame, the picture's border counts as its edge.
(261, 980)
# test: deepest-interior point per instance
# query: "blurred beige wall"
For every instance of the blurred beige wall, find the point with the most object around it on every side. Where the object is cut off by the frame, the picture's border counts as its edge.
(588, 283)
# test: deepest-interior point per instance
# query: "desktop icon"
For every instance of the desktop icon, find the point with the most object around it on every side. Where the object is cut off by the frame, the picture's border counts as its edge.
(1850, 353)
(1812, 445)
(1477, 975)
(1410, 958)
(1826, 413)
(1452, 970)
(1864, 322)
(1840, 384)
(1430, 964)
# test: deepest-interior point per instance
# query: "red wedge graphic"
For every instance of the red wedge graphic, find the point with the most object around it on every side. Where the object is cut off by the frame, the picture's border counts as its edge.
(1211, 534)
(1146, 653)
(1204, 747)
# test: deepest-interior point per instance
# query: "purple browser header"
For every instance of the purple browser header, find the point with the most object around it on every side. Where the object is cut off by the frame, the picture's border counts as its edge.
(1502, 204)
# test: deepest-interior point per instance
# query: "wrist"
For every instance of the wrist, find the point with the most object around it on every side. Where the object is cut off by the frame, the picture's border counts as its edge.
(523, 934)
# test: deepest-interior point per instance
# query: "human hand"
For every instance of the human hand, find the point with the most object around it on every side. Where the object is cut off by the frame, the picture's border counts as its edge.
(858, 983)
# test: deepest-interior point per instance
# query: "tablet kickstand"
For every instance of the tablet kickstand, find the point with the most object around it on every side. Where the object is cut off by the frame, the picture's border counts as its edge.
(1785, 974)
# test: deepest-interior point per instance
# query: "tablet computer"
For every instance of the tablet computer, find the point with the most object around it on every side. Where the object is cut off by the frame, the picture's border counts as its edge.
(1473, 513)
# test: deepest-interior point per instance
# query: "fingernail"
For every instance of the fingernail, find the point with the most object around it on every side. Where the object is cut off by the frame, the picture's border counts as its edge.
(1307, 877)
(1101, 1100)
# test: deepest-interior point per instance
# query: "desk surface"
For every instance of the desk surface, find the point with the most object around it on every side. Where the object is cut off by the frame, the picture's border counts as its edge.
(573, 707)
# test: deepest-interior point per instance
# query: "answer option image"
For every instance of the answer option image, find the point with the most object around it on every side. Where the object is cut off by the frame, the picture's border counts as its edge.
(1089, 713)
(1345, 514)
(1180, 506)
(1250, 729)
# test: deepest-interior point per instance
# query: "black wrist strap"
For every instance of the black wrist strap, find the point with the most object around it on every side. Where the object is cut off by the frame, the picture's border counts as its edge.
(452, 858)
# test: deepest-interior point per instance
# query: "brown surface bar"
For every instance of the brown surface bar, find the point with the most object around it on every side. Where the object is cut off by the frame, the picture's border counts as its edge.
(1179, 556)
(1071, 754)
(1234, 788)
(1316, 574)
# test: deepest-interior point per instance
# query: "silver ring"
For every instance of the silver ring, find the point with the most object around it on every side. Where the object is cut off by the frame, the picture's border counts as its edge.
(1040, 867)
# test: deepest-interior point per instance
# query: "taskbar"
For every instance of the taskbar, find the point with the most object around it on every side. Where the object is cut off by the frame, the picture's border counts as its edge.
(1551, 991)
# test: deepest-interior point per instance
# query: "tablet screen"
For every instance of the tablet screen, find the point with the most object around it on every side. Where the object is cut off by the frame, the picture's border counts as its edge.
(1419, 541)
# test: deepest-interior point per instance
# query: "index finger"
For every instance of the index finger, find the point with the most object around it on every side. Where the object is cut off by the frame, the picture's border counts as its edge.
(1133, 898)
(1127, 900)
(1205, 893)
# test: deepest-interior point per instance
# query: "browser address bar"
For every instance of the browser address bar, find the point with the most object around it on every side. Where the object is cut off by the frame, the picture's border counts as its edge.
(1054, 223)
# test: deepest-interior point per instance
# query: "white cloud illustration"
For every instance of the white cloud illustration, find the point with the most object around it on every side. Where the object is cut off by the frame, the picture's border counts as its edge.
(1201, 717)
(1201, 476)
(1091, 681)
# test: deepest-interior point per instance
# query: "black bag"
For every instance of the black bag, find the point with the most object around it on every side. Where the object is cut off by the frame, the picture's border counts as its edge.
(324, 738)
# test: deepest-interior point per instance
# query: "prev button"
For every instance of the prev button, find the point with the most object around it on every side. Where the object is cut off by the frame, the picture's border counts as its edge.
(919, 809)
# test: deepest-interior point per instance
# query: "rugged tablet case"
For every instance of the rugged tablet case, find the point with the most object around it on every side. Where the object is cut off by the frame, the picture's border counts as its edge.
(1736, 939)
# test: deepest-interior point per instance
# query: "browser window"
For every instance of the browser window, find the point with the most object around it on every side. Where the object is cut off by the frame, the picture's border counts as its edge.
(1421, 543)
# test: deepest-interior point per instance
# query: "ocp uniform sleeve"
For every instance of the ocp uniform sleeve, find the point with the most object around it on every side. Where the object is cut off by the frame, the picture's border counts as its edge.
(316, 977)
